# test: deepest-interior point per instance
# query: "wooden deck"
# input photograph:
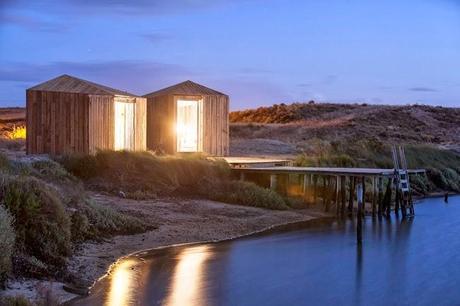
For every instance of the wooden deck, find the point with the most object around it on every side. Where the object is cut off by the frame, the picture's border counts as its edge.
(324, 171)
(237, 162)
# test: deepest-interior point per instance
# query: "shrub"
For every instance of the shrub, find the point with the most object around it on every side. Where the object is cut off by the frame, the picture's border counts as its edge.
(17, 132)
(92, 221)
(245, 193)
(14, 301)
(7, 238)
(142, 173)
(41, 223)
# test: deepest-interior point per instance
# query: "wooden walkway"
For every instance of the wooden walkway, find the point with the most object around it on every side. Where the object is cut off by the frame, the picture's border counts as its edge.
(323, 171)
(345, 190)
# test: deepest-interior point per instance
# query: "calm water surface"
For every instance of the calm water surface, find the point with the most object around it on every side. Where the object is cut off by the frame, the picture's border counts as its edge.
(412, 262)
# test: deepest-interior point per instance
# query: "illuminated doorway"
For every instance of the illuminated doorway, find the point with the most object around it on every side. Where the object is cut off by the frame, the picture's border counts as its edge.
(124, 126)
(188, 126)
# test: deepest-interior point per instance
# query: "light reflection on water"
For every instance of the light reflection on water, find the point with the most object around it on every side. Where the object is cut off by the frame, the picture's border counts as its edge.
(402, 262)
(188, 276)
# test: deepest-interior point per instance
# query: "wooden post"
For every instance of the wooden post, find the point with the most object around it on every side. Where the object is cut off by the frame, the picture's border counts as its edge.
(324, 194)
(305, 186)
(310, 195)
(242, 176)
(387, 198)
(380, 203)
(343, 191)
(337, 194)
(374, 195)
(397, 199)
(315, 189)
(359, 225)
(363, 182)
(351, 193)
(273, 181)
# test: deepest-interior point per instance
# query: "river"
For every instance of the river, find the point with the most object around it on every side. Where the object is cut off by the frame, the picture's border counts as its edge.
(401, 262)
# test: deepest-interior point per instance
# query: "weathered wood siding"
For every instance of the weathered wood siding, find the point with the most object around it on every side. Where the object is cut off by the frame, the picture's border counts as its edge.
(140, 139)
(57, 122)
(161, 121)
(160, 124)
(60, 123)
(216, 125)
(101, 123)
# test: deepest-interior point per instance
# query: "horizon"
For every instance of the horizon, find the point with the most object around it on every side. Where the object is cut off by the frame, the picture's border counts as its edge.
(258, 53)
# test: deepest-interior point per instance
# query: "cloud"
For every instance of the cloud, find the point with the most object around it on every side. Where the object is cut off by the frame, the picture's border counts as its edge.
(252, 70)
(155, 38)
(423, 89)
(138, 77)
(330, 79)
(121, 7)
(31, 23)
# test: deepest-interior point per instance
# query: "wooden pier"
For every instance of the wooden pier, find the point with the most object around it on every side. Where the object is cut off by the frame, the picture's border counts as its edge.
(334, 188)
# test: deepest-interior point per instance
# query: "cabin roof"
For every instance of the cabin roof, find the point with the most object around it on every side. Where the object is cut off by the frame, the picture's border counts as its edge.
(185, 88)
(68, 83)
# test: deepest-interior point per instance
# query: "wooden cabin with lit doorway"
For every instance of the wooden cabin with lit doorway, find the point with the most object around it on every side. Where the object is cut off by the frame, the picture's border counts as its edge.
(188, 117)
(71, 115)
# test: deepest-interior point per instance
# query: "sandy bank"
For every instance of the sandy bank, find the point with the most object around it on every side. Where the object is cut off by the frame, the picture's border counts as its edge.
(177, 220)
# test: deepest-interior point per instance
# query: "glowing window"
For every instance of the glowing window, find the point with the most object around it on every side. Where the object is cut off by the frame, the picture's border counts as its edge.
(188, 126)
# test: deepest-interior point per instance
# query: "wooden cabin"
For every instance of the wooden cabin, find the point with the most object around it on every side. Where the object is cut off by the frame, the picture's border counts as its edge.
(67, 115)
(188, 117)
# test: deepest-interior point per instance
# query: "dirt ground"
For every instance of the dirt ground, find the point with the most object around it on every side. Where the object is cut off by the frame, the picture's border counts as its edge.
(177, 221)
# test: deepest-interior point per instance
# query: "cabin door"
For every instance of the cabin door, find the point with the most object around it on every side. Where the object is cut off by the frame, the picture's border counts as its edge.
(188, 126)
(124, 126)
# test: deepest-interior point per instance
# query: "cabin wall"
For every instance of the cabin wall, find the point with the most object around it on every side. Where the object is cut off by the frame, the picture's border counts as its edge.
(161, 114)
(57, 123)
(140, 139)
(101, 123)
(216, 125)
(161, 121)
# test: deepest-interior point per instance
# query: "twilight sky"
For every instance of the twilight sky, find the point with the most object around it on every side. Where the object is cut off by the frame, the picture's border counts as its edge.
(259, 52)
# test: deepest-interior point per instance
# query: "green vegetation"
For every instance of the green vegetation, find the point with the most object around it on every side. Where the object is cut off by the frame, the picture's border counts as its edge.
(443, 166)
(7, 237)
(144, 175)
(41, 224)
(51, 212)
(245, 193)
(15, 301)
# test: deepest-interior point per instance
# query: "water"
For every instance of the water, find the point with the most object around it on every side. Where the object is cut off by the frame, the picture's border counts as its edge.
(413, 262)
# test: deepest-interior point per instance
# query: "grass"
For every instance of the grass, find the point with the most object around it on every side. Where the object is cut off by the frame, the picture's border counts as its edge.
(443, 166)
(144, 175)
(51, 213)
(7, 239)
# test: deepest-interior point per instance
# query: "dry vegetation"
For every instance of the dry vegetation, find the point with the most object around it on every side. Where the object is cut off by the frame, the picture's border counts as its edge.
(356, 135)
(305, 125)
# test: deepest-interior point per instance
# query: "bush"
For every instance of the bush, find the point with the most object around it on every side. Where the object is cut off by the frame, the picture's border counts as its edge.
(141, 173)
(245, 193)
(41, 223)
(93, 221)
(7, 238)
(14, 301)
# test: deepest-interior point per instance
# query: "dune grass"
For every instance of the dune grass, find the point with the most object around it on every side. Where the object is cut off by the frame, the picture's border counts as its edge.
(141, 175)
(443, 166)
(51, 213)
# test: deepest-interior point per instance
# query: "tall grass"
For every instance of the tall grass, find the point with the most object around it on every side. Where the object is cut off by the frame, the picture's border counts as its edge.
(51, 212)
(7, 238)
(139, 175)
(443, 166)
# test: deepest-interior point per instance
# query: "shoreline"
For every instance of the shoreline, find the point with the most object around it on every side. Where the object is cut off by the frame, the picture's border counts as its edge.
(179, 222)
(94, 261)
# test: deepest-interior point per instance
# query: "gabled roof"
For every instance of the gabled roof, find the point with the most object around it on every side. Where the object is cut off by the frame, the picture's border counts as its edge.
(185, 88)
(67, 83)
